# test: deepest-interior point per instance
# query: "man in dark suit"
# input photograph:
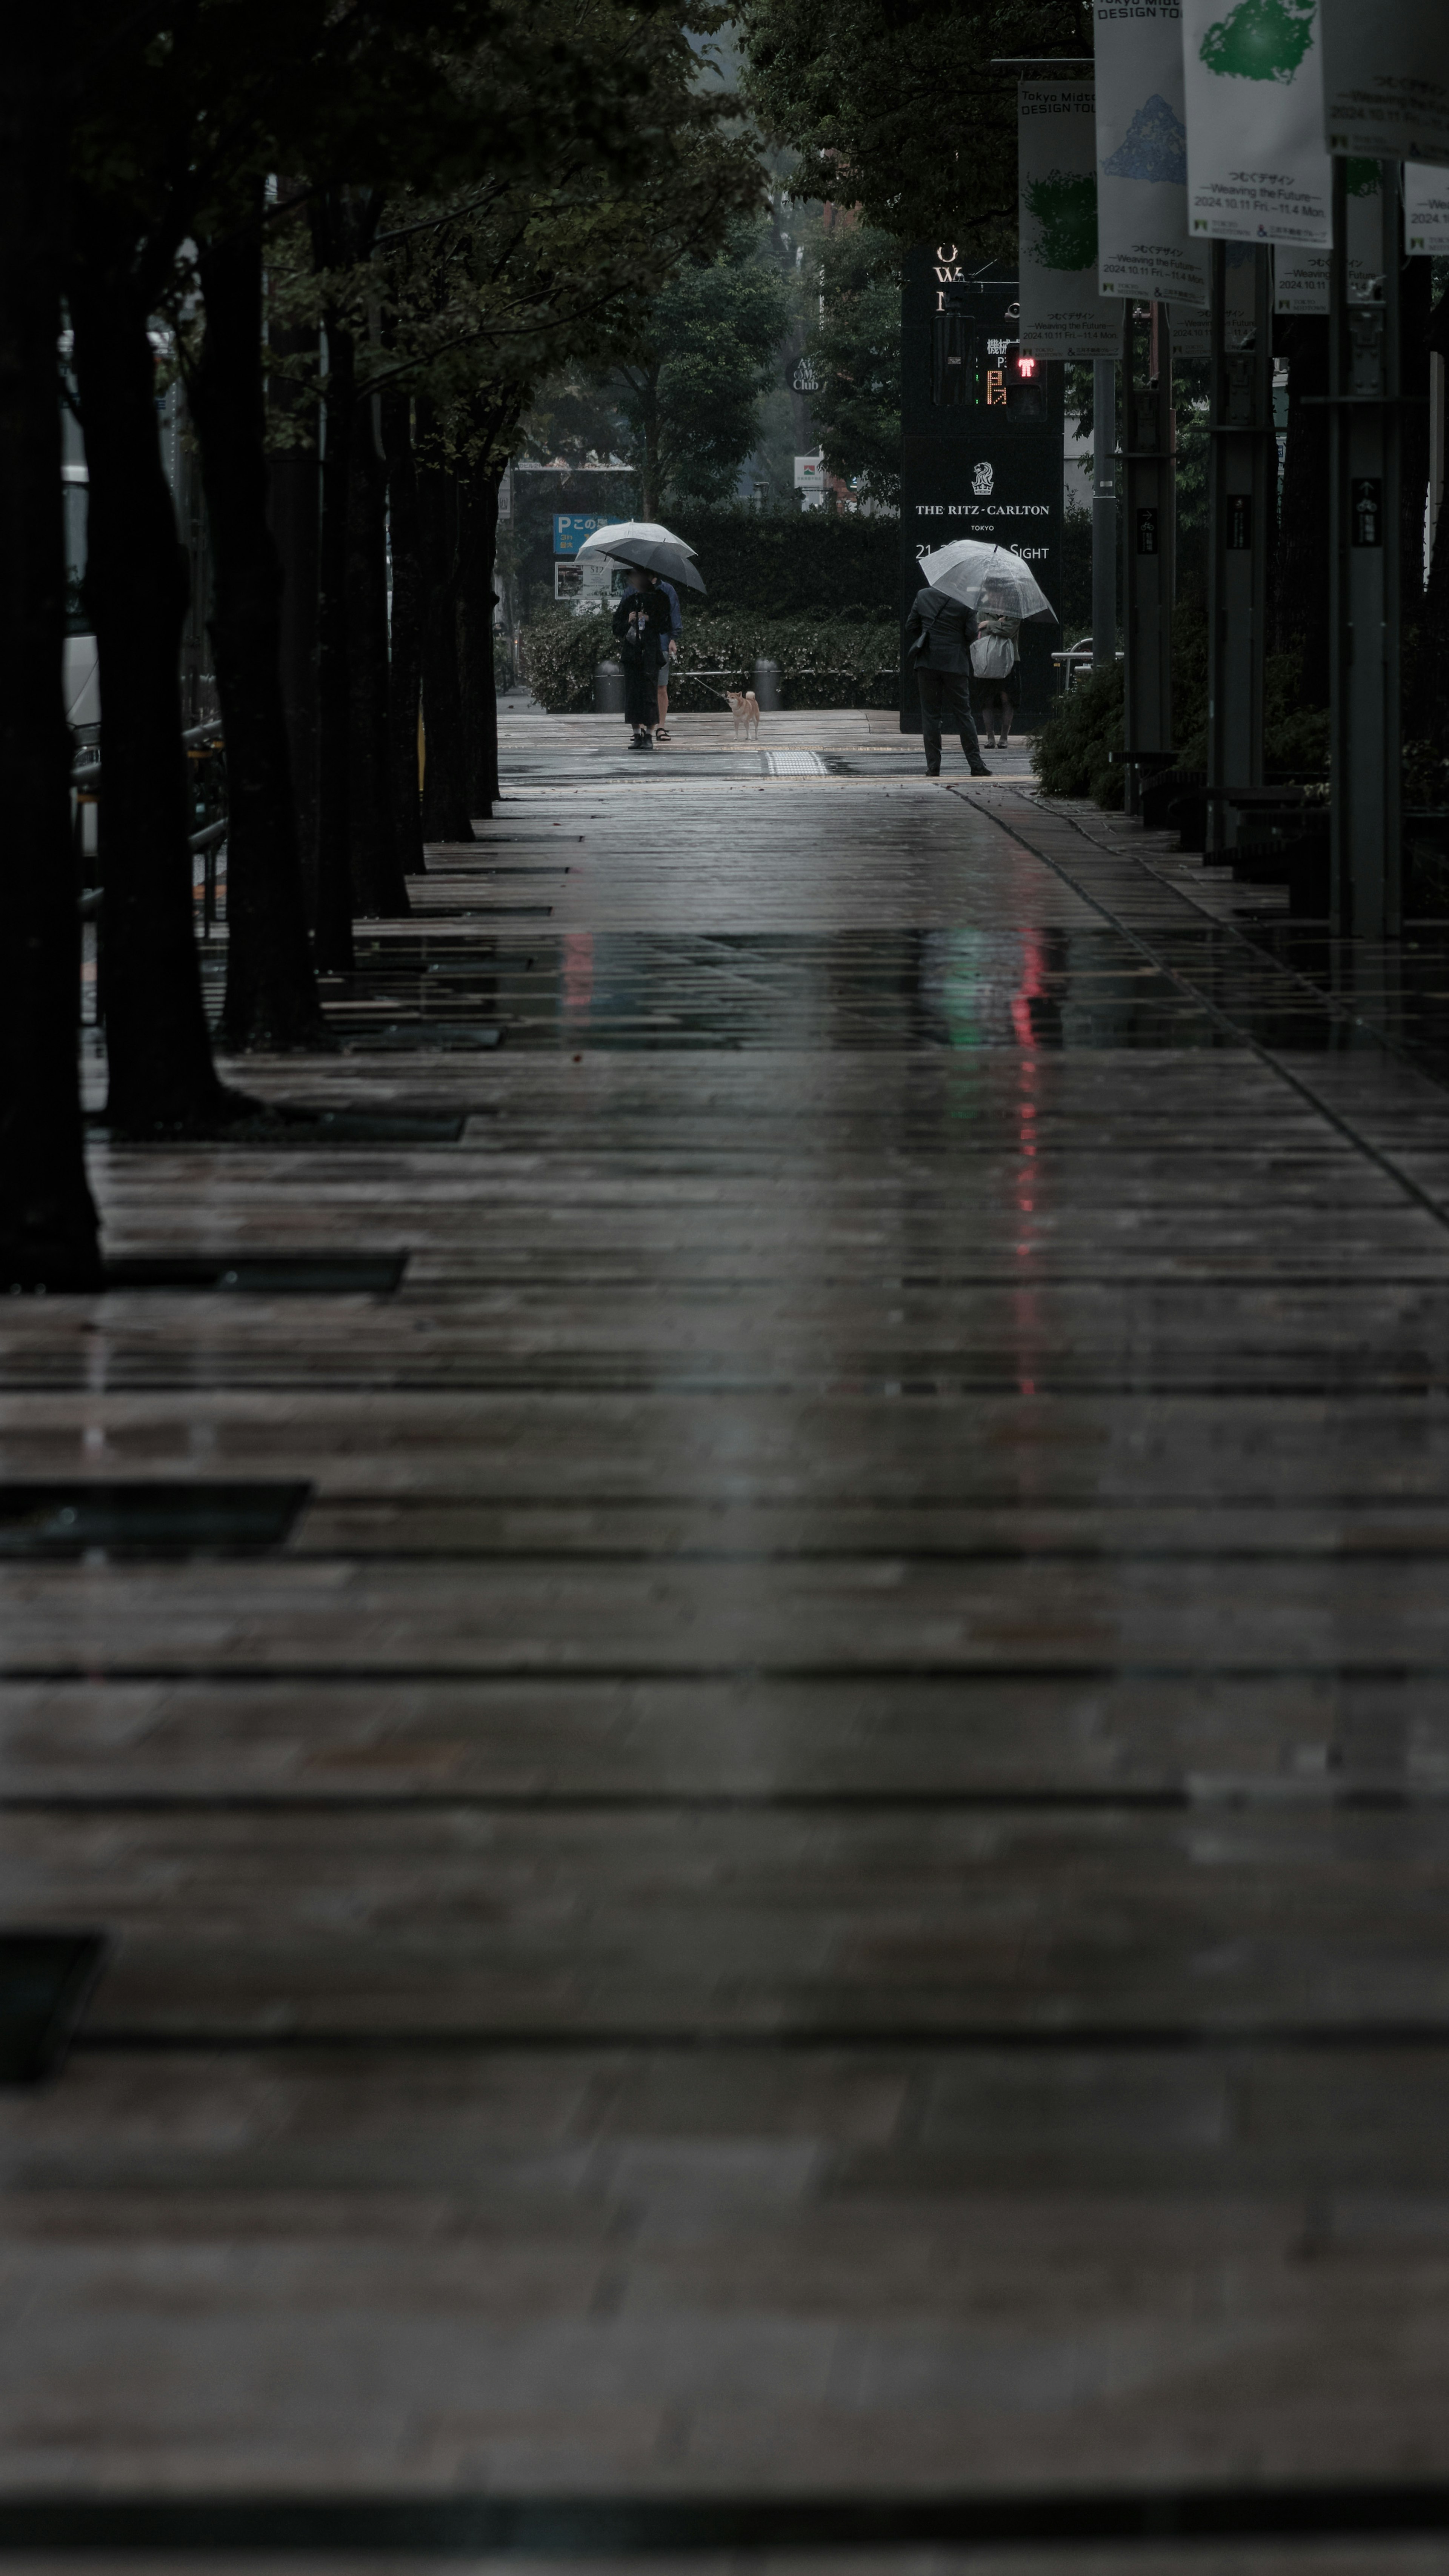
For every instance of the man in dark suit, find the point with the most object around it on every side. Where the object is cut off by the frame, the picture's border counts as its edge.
(940, 632)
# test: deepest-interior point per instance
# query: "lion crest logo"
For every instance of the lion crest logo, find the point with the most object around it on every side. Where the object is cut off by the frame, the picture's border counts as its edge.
(982, 478)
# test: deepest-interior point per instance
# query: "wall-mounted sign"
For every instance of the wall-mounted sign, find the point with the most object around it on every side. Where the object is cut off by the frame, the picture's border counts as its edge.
(810, 474)
(570, 527)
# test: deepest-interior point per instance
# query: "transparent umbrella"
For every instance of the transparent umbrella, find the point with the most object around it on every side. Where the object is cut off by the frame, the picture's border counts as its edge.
(640, 532)
(988, 577)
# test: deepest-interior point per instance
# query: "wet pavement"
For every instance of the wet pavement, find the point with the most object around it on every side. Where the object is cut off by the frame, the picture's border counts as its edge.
(807, 1866)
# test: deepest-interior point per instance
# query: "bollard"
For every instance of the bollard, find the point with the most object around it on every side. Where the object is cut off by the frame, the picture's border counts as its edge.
(767, 687)
(609, 689)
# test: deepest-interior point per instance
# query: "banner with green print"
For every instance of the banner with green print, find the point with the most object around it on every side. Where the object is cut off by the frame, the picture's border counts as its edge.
(1062, 314)
(1386, 80)
(1253, 92)
(1143, 244)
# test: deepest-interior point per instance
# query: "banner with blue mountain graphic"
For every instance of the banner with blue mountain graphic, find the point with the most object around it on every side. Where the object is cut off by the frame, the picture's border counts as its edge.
(1386, 80)
(1144, 247)
(1253, 99)
(1062, 314)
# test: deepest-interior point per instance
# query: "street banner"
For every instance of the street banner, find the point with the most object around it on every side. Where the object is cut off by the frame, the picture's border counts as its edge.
(1144, 247)
(1386, 80)
(1191, 336)
(1426, 208)
(1301, 277)
(1062, 314)
(1253, 95)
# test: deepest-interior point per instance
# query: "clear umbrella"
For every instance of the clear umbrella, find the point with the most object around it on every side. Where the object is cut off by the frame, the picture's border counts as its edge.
(644, 532)
(990, 578)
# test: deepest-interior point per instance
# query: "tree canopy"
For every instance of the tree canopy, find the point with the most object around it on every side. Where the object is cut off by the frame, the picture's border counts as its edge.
(854, 350)
(894, 108)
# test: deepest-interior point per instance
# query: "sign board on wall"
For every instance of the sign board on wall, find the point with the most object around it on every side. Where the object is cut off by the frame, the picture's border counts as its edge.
(570, 527)
(1386, 80)
(1062, 313)
(1253, 93)
(810, 474)
(1144, 246)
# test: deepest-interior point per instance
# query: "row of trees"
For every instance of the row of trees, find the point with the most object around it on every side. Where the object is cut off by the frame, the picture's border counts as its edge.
(373, 228)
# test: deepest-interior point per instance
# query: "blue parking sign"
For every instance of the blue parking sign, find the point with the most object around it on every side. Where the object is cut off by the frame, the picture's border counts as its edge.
(570, 527)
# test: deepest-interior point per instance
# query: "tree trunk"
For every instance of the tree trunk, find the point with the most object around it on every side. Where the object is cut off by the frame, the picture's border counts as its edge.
(48, 1233)
(379, 888)
(162, 1077)
(1303, 554)
(445, 780)
(477, 600)
(294, 516)
(405, 641)
(332, 945)
(271, 991)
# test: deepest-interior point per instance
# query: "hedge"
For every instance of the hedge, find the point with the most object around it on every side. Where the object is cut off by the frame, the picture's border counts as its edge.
(849, 661)
(1071, 757)
(789, 563)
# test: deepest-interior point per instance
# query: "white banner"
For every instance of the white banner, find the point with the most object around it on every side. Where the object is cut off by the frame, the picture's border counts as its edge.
(1062, 314)
(1301, 277)
(1191, 337)
(1144, 247)
(1426, 208)
(1253, 93)
(1386, 79)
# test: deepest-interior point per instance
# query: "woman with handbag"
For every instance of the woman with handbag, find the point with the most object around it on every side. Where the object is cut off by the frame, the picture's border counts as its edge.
(994, 667)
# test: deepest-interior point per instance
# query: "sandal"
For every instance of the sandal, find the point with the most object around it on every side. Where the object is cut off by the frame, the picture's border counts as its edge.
(661, 733)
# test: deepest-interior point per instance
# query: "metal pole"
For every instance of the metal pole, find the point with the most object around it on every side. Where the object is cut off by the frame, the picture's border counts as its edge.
(1148, 551)
(1104, 510)
(1364, 396)
(1241, 441)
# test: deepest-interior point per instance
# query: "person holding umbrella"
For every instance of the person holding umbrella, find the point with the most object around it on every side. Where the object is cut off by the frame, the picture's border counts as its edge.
(642, 620)
(940, 632)
(641, 623)
(990, 593)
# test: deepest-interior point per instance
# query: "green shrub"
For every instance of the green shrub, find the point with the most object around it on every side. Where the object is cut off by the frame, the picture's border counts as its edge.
(783, 563)
(1072, 751)
(835, 662)
(559, 653)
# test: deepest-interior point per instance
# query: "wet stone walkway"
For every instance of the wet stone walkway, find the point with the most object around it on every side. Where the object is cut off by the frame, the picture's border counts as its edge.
(799, 1892)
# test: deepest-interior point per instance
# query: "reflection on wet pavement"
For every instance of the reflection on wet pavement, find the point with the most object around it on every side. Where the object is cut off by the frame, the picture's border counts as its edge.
(818, 1868)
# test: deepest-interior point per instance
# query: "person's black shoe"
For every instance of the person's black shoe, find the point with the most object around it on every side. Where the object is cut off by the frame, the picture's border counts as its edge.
(981, 772)
(933, 773)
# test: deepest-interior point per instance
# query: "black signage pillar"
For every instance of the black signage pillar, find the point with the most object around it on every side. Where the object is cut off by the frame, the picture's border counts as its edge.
(1149, 545)
(1364, 390)
(981, 447)
(1243, 453)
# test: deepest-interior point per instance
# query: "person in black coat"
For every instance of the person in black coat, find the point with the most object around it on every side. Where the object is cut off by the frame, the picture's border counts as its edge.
(940, 632)
(641, 623)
